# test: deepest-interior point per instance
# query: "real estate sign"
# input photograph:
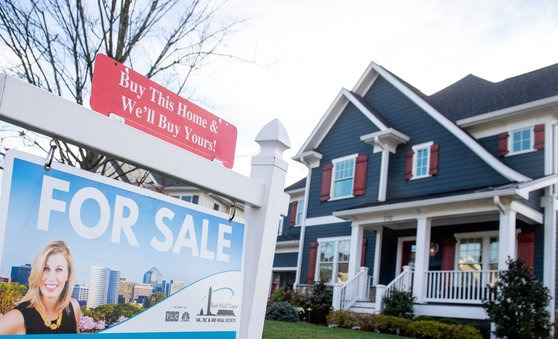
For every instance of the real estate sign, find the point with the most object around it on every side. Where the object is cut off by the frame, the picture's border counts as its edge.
(145, 242)
(142, 103)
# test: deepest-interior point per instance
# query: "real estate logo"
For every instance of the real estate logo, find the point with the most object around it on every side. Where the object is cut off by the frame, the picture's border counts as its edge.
(224, 312)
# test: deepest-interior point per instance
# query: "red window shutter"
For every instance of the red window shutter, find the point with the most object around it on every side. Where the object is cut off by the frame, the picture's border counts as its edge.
(448, 254)
(326, 182)
(434, 159)
(363, 253)
(312, 255)
(361, 165)
(503, 144)
(539, 137)
(409, 164)
(526, 247)
(292, 210)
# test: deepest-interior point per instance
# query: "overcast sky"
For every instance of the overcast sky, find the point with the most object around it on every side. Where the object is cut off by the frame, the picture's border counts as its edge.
(305, 51)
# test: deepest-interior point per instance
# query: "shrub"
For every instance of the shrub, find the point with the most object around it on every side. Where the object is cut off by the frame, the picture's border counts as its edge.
(281, 311)
(319, 300)
(348, 319)
(437, 330)
(423, 317)
(449, 321)
(399, 304)
(391, 324)
(519, 309)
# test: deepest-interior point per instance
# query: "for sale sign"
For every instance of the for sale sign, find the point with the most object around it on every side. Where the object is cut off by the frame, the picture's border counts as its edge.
(146, 105)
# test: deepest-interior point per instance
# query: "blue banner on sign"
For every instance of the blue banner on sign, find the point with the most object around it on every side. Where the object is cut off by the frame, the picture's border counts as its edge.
(162, 264)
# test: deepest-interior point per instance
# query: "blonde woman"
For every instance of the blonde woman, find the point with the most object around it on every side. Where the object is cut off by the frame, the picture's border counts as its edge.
(47, 307)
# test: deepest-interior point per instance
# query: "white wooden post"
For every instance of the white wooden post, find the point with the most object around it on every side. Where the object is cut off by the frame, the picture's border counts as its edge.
(363, 283)
(549, 204)
(269, 168)
(357, 233)
(336, 298)
(422, 256)
(378, 255)
(506, 237)
(380, 290)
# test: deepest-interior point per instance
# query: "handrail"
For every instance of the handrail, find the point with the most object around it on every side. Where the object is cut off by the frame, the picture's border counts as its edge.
(464, 287)
(403, 282)
(357, 288)
(349, 291)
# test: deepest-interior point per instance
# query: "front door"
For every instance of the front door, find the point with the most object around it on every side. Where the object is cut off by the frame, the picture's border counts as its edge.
(408, 251)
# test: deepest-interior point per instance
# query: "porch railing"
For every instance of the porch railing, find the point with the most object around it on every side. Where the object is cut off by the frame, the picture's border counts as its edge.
(403, 282)
(356, 289)
(459, 286)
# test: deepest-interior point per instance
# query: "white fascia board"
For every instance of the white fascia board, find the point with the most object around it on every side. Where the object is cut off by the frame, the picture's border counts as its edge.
(34, 108)
(525, 188)
(325, 220)
(283, 269)
(427, 202)
(295, 191)
(366, 80)
(358, 104)
(470, 142)
(507, 112)
(309, 159)
(325, 123)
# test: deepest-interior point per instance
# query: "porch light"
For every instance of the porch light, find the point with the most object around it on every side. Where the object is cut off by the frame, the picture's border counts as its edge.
(434, 248)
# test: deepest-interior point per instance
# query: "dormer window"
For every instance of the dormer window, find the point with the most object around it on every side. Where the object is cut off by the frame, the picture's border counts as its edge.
(422, 161)
(521, 140)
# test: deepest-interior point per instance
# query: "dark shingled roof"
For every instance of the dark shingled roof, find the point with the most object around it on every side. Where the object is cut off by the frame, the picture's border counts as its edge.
(473, 96)
(297, 185)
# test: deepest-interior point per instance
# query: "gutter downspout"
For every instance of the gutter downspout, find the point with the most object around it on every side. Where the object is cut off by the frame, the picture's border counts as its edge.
(303, 224)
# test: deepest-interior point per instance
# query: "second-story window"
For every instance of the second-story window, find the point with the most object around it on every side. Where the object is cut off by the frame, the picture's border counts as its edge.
(422, 161)
(299, 212)
(521, 141)
(343, 177)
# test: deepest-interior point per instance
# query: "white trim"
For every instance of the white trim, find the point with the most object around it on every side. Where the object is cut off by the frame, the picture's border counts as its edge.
(465, 312)
(384, 171)
(286, 250)
(298, 222)
(303, 226)
(295, 191)
(467, 140)
(506, 112)
(328, 219)
(378, 255)
(424, 146)
(358, 104)
(548, 148)
(283, 269)
(399, 255)
(334, 162)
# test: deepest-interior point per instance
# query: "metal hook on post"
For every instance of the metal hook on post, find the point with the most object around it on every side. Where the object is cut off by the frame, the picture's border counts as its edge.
(50, 155)
(232, 212)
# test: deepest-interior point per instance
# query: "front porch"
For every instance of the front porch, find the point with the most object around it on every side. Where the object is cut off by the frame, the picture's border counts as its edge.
(476, 237)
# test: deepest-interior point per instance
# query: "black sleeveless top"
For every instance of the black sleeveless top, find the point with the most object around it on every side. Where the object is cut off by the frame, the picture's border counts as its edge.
(34, 323)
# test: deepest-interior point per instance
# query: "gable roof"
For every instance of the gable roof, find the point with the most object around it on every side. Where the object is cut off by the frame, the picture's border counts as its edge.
(417, 97)
(472, 96)
(297, 185)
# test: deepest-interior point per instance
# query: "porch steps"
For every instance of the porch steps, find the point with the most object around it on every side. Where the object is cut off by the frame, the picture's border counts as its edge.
(364, 307)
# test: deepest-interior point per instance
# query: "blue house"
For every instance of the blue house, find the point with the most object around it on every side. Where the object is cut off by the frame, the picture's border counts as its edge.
(430, 194)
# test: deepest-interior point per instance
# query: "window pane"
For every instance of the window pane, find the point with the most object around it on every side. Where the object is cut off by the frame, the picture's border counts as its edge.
(421, 162)
(299, 209)
(521, 140)
(326, 272)
(470, 254)
(343, 178)
(326, 251)
(344, 247)
(494, 251)
(342, 272)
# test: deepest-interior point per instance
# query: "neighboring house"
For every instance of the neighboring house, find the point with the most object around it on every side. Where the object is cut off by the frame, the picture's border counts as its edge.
(183, 191)
(430, 194)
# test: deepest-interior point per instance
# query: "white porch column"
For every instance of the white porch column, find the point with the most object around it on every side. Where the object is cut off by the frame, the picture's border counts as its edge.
(422, 256)
(506, 236)
(378, 255)
(356, 249)
(549, 204)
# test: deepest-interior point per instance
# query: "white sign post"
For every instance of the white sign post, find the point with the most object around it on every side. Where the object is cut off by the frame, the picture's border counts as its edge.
(30, 107)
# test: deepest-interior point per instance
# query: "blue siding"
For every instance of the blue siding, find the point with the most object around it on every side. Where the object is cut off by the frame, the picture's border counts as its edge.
(459, 167)
(535, 200)
(530, 164)
(285, 259)
(344, 139)
(288, 232)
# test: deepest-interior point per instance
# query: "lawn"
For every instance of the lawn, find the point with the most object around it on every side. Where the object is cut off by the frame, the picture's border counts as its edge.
(279, 329)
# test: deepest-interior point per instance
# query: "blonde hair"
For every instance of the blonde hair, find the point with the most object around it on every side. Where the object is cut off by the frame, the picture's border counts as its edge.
(33, 294)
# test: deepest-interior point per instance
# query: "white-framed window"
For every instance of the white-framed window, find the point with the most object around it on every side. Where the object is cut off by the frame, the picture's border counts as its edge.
(421, 160)
(521, 141)
(299, 212)
(333, 260)
(343, 177)
(193, 198)
(477, 251)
